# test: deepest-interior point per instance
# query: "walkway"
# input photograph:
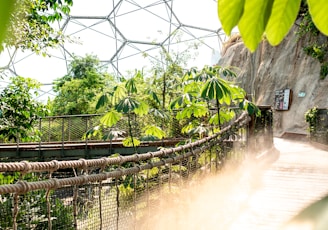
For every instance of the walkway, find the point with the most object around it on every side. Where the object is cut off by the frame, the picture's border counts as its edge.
(298, 178)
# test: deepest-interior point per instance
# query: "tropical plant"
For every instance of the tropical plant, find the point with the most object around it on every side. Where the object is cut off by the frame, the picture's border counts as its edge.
(19, 110)
(127, 99)
(204, 90)
(77, 91)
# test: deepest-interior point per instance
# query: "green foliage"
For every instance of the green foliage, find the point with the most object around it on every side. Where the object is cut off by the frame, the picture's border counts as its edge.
(272, 18)
(306, 25)
(131, 142)
(30, 24)
(77, 91)
(313, 47)
(110, 118)
(6, 9)
(193, 110)
(153, 130)
(225, 116)
(142, 109)
(253, 22)
(216, 88)
(229, 13)
(316, 51)
(318, 10)
(196, 93)
(311, 117)
(32, 213)
(19, 110)
(250, 107)
(282, 17)
(323, 70)
(126, 105)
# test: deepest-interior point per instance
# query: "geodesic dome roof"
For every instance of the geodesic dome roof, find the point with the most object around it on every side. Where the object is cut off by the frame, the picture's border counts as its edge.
(125, 35)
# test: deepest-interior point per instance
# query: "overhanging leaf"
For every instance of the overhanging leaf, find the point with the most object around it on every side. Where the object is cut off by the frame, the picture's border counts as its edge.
(230, 11)
(253, 22)
(283, 15)
(6, 9)
(318, 10)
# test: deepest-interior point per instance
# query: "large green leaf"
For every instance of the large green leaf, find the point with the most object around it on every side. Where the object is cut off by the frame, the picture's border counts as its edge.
(154, 130)
(127, 105)
(110, 118)
(186, 129)
(253, 21)
(131, 86)
(192, 88)
(237, 93)
(119, 93)
(103, 100)
(215, 88)
(230, 12)
(250, 107)
(318, 10)
(195, 109)
(6, 9)
(142, 109)
(283, 15)
(153, 96)
(184, 99)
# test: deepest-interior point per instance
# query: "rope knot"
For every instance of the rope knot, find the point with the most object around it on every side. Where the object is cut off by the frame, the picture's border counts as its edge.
(27, 167)
(122, 160)
(136, 156)
(56, 183)
(55, 166)
(84, 164)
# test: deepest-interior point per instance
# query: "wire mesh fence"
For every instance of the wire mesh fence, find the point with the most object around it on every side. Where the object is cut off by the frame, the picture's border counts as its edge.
(82, 136)
(75, 128)
(117, 192)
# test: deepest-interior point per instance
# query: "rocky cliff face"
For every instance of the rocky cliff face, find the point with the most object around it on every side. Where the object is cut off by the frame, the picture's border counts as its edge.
(269, 69)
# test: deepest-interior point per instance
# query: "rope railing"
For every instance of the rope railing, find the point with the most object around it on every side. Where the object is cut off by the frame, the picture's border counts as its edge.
(112, 192)
(54, 165)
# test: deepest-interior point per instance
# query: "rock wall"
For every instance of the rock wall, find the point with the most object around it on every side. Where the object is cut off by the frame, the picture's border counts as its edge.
(275, 68)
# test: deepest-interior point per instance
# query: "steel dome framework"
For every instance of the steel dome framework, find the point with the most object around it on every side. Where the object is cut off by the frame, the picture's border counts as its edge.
(125, 35)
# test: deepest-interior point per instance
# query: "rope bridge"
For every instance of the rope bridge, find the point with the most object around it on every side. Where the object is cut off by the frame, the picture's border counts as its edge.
(116, 192)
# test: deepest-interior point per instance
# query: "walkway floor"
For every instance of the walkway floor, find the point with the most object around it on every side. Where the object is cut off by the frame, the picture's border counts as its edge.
(298, 178)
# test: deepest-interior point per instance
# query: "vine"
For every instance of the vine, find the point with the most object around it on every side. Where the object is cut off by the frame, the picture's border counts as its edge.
(315, 48)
